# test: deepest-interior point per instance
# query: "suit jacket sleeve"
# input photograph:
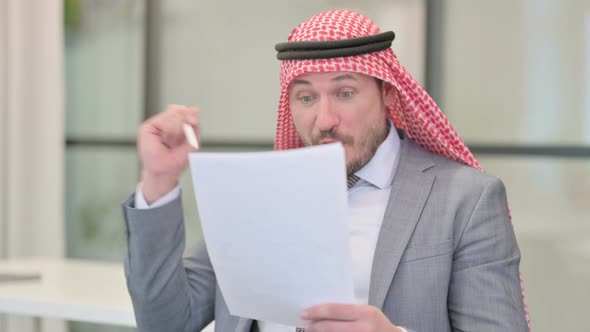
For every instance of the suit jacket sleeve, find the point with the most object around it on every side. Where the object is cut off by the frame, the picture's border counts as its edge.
(485, 293)
(169, 293)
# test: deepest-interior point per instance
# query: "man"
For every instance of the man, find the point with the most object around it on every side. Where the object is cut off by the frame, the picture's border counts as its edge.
(433, 247)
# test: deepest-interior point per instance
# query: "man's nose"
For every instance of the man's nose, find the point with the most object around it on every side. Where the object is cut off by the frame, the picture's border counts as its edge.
(327, 115)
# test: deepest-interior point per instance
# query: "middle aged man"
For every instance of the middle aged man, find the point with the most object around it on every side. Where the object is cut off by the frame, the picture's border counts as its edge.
(432, 244)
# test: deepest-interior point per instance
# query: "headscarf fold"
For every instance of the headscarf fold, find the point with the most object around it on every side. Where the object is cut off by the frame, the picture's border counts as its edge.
(415, 112)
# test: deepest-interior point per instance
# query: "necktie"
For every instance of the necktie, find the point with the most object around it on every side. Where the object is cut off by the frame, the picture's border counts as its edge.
(352, 179)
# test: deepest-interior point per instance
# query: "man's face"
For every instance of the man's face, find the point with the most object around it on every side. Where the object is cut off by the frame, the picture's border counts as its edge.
(341, 107)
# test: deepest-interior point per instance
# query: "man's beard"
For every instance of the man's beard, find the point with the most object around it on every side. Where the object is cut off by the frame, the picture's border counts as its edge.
(375, 136)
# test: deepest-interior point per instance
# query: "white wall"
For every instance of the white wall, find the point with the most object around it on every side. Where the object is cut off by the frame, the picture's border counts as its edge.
(32, 122)
(31, 135)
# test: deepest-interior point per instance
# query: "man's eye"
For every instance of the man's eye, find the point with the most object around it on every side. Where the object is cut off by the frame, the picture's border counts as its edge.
(306, 99)
(345, 94)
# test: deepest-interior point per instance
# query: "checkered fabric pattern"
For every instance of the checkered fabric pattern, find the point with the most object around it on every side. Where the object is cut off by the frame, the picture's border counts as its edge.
(415, 111)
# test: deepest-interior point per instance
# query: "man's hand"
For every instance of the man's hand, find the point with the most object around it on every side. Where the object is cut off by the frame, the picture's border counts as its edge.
(347, 318)
(163, 149)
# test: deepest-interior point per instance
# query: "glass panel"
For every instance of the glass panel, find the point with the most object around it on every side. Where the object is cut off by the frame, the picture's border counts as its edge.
(220, 55)
(104, 52)
(550, 202)
(98, 180)
(518, 71)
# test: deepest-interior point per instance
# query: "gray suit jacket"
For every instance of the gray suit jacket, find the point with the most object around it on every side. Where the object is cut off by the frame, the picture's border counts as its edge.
(446, 257)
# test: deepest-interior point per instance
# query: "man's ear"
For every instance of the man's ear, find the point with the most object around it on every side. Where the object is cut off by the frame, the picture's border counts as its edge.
(390, 94)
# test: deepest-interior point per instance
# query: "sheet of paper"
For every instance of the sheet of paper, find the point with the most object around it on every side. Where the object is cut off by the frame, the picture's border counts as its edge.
(275, 226)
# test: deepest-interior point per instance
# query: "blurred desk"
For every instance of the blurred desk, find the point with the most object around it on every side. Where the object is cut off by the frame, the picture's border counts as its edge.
(67, 289)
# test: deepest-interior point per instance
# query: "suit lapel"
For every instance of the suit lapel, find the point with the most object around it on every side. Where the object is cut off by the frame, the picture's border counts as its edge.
(409, 192)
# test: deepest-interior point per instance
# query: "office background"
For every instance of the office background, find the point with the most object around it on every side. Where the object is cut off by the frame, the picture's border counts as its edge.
(513, 76)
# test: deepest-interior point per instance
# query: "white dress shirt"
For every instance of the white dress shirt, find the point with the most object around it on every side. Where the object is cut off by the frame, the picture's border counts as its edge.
(367, 201)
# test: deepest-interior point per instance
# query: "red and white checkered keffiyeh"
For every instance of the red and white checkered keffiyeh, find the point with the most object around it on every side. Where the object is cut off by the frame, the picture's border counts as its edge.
(416, 113)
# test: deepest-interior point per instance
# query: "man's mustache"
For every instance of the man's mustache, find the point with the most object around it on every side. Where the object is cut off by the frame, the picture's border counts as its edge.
(332, 135)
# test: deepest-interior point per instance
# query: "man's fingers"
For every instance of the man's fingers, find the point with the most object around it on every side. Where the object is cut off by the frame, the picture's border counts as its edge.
(334, 311)
(191, 116)
(340, 326)
(168, 124)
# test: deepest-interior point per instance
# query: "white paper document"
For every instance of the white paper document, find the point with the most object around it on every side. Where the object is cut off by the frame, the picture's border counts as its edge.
(275, 226)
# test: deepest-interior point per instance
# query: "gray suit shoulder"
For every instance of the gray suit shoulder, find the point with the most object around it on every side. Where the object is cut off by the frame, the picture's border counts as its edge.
(459, 188)
(458, 173)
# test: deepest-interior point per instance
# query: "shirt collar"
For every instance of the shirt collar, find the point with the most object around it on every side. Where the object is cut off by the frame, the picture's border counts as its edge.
(380, 169)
